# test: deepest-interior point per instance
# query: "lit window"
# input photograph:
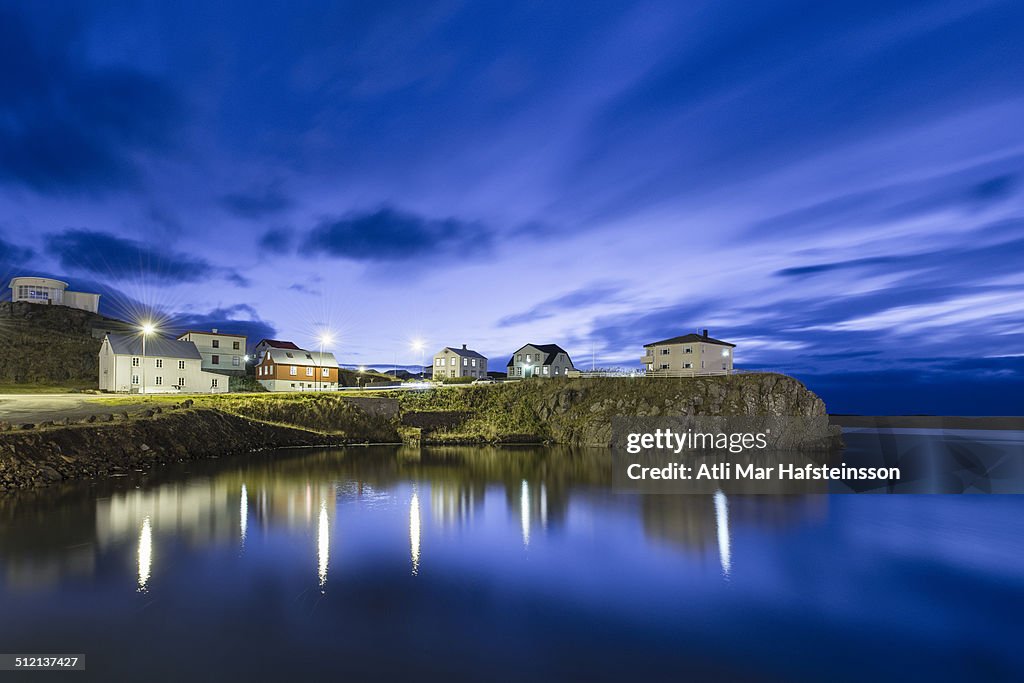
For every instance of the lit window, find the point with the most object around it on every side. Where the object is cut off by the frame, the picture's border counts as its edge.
(725, 352)
(293, 371)
(309, 371)
(545, 369)
(454, 360)
(465, 362)
(236, 361)
(325, 372)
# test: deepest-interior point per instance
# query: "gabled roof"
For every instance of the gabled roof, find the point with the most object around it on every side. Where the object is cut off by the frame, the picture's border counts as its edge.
(277, 344)
(466, 353)
(690, 339)
(552, 350)
(156, 347)
(299, 356)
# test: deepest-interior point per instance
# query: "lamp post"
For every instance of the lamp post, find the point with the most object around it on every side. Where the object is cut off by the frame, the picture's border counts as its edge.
(147, 329)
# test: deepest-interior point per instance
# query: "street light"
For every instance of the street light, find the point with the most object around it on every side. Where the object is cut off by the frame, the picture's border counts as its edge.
(147, 328)
(418, 345)
(325, 338)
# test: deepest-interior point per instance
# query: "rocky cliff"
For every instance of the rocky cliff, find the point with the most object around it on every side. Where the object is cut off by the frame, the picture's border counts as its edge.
(580, 411)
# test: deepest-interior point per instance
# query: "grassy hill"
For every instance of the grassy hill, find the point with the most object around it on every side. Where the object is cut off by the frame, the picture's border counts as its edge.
(46, 347)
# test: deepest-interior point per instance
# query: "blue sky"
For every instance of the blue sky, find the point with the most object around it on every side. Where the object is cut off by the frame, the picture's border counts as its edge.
(837, 188)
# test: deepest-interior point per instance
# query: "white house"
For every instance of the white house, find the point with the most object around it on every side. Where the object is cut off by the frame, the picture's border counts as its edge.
(451, 362)
(167, 366)
(297, 370)
(539, 360)
(44, 290)
(222, 353)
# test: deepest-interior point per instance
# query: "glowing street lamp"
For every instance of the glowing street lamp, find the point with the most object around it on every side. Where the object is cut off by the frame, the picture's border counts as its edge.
(418, 345)
(325, 338)
(147, 329)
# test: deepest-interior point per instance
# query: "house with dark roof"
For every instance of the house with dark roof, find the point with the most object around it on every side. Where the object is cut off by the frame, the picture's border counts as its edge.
(451, 362)
(539, 360)
(266, 344)
(130, 364)
(688, 355)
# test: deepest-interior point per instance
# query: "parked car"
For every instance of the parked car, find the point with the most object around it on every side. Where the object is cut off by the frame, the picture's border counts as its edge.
(485, 380)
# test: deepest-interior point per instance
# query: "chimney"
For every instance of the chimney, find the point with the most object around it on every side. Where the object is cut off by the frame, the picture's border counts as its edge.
(705, 333)
(463, 347)
(214, 330)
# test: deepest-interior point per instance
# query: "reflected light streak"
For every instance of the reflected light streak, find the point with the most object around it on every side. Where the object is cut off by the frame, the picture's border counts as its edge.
(243, 513)
(722, 522)
(145, 554)
(524, 511)
(323, 545)
(414, 532)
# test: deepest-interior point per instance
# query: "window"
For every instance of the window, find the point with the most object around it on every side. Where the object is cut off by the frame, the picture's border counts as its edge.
(665, 352)
(439, 362)
(723, 366)
(702, 365)
(325, 372)
(235, 346)
(687, 366)
(519, 357)
(664, 366)
(159, 362)
(181, 381)
(214, 384)
(687, 349)
(465, 362)
(181, 365)
(289, 354)
(135, 379)
(454, 360)
(293, 385)
(215, 360)
(159, 380)
(236, 361)
(528, 357)
(519, 371)
(309, 371)
(474, 362)
(725, 353)
(556, 371)
(293, 371)
(545, 369)
(135, 362)
(215, 343)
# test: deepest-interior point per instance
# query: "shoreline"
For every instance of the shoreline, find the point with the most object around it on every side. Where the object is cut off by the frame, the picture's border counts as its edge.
(994, 423)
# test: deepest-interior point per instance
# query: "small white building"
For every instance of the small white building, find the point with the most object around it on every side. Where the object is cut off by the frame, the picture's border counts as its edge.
(297, 370)
(451, 362)
(223, 353)
(168, 366)
(44, 290)
(539, 360)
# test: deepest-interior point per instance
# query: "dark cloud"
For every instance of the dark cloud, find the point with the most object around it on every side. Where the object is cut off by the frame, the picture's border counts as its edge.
(278, 240)
(118, 258)
(257, 204)
(69, 125)
(13, 254)
(587, 296)
(388, 234)
(303, 289)
(240, 319)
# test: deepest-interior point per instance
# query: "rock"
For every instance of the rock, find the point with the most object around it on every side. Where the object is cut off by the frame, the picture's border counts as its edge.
(26, 425)
(5, 426)
(187, 403)
(146, 413)
(144, 448)
(90, 419)
(50, 474)
(106, 417)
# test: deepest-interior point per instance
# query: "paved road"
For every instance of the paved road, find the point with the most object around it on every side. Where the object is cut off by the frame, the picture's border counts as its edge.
(19, 408)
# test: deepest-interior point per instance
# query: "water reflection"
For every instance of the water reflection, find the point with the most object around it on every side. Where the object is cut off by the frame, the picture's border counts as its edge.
(323, 545)
(722, 522)
(414, 530)
(145, 554)
(206, 504)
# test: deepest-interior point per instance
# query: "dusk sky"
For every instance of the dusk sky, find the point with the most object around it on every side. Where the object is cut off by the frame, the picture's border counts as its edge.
(837, 188)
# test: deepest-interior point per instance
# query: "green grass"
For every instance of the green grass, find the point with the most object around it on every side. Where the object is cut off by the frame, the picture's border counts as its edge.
(66, 388)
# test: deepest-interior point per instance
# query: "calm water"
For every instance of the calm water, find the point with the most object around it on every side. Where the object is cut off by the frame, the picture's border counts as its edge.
(481, 564)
